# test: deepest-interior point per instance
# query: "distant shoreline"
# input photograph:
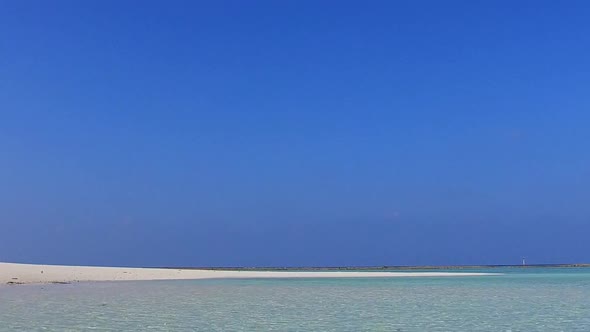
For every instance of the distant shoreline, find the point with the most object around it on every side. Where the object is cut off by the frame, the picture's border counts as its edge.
(392, 267)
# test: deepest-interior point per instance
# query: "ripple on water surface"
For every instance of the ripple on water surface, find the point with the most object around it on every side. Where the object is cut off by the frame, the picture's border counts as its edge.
(551, 301)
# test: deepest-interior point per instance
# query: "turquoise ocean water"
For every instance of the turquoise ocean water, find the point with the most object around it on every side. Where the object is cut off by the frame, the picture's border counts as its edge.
(520, 300)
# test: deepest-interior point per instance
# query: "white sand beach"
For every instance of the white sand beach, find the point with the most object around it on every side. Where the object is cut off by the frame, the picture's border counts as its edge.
(12, 273)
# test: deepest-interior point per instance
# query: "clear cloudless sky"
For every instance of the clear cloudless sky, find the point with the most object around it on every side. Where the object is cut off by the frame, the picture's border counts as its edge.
(290, 133)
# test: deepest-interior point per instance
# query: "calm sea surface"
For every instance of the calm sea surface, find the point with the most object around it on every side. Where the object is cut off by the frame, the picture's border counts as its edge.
(520, 300)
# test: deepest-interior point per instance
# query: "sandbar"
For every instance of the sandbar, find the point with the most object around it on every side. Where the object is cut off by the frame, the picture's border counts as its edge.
(14, 273)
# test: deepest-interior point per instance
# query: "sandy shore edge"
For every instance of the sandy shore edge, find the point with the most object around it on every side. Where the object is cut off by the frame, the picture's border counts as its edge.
(14, 273)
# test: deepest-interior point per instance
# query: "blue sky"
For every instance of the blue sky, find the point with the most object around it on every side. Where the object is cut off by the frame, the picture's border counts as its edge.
(231, 133)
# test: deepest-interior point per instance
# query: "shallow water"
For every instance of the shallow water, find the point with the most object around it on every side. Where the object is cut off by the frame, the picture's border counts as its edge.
(520, 300)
